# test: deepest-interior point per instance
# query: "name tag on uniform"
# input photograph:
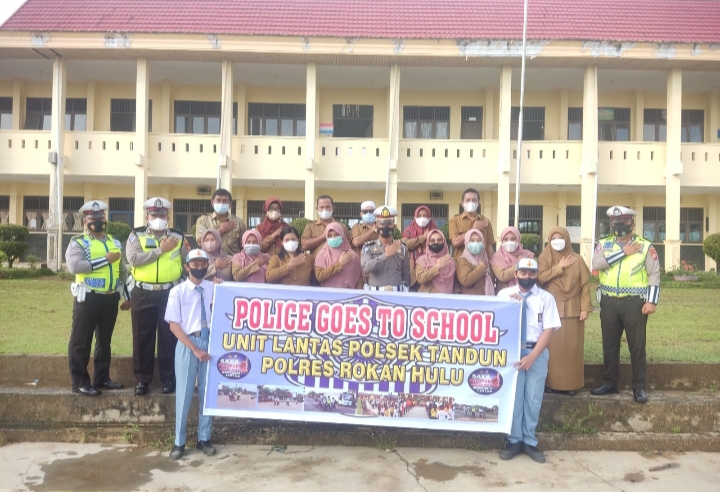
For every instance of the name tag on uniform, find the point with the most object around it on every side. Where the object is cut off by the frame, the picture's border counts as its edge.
(540, 323)
(151, 243)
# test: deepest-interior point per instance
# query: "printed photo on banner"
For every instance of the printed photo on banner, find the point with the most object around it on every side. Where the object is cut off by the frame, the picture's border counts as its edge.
(237, 395)
(344, 402)
(486, 411)
(280, 398)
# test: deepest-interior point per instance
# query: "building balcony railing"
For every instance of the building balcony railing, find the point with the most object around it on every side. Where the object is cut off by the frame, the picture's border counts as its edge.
(352, 159)
(547, 162)
(701, 164)
(631, 163)
(447, 161)
(181, 155)
(275, 158)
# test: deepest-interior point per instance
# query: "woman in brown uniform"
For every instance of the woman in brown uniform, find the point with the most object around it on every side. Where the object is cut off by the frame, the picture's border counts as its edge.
(566, 276)
(271, 226)
(506, 257)
(250, 265)
(291, 266)
(473, 267)
(336, 264)
(435, 270)
(415, 236)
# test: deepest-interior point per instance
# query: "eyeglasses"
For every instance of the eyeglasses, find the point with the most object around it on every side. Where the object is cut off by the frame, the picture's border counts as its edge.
(367, 211)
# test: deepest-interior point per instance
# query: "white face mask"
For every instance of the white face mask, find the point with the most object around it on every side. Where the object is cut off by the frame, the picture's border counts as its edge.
(210, 246)
(291, 246)
(325, 214)
(252, 249)
(273, 215)
(158, 224)
(470, 207)
(558, 244)
(510, 246)
(221, 208)
(422, 221)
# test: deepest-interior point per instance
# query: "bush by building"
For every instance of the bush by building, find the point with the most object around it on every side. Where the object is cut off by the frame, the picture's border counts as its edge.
(13, 242)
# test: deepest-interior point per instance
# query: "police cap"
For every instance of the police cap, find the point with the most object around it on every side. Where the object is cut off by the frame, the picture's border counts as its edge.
(94, 209)
(157, 205)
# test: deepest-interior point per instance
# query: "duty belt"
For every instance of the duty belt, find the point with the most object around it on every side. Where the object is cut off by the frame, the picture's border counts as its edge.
(623, 291)
(156, 287)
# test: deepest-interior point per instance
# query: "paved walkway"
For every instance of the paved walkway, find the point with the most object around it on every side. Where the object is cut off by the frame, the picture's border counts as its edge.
(80, 467)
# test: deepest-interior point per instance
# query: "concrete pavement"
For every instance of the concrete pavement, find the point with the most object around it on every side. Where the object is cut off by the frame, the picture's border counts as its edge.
(80, 467)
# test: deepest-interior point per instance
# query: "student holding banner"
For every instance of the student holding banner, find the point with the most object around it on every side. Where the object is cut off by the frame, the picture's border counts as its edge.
(291, 266)
(435, 270)
(337, 265)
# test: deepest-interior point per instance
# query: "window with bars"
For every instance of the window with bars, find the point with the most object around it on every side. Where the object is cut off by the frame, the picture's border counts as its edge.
(6, 109)
(530, 220)
(36, 211)
(533, 123)
(347, 212)
(439, 212)
(427, 122)
(575, 123)
(693, 125)
(691, 225)
(352, 121)
(38, 113)
(4, 209)
(122, 210)
(654, 224)
(655, 125)
(471, 122)
(572, 216)
(602, 222)
(291, 211)
(75, 114)
(271, 119)
(187, 212)
(199, 117)
(122, 115)
(614, 124)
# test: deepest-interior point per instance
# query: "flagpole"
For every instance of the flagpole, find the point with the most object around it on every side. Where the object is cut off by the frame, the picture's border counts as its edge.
(520, 119)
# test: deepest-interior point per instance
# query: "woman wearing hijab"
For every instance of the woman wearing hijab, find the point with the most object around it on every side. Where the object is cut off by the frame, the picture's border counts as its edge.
(415, 236)
(435, 269)
(250, 265)
(473, 267)
(510, 252)
(271, 226)
(336, 264)
(219, 264)
(291, 266)
(566, 276)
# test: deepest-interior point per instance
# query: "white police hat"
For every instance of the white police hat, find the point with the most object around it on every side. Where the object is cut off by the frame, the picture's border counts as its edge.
(618, 211)
(197, 254)
(385, 212)
(94, 209)
(526, 264)
(157, 204)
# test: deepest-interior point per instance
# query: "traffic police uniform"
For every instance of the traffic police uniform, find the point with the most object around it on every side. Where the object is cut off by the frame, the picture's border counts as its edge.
(95, 307)
(154, 273)
(626, 284)
(383, 273)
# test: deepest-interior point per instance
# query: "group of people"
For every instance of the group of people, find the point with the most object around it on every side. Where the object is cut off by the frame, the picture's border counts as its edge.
(167, 310)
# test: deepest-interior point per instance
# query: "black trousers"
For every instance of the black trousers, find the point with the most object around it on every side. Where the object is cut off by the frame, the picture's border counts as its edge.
(618, 314)
(147, 310)
(96, 315)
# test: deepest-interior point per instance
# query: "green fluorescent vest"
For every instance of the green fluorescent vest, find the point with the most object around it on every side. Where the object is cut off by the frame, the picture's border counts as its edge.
(103, 279)
(167, 268)
(628, 276)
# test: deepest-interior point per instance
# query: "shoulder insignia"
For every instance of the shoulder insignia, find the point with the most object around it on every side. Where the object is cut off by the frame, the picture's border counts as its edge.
(598, 248)
(77, 238)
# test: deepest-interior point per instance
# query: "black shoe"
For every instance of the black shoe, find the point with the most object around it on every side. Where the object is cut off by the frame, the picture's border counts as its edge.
(510, 450)
(549, 390)
(141, 389)
(109, 385)
(86, 390)
(177, 452)
(534, 453)
(207, 448)
(571, 393)
(605, 389)
(168, 387)
(640, 396)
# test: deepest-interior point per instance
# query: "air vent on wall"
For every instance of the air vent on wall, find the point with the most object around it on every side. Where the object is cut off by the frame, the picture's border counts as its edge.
(204, 190)
(436, 195)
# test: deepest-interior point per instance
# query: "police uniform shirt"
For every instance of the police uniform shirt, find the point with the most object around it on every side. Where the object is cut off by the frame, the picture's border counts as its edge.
(184, 308)
(358, 230)
(541, 313)
(136, 257)
(77, 262)
(384, 271)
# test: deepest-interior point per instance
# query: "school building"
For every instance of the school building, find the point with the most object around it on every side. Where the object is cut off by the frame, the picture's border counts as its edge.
(121, 100)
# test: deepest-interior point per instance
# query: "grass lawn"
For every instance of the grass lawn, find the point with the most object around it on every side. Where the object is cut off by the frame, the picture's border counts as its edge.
(36, 316)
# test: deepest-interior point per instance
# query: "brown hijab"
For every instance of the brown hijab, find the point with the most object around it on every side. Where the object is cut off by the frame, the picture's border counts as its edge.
(565, 286)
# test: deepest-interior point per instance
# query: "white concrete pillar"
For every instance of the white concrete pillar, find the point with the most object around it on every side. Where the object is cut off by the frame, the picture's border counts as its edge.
(714, 117)
(564, 98)
(225, 162)
(673, 169)
(394, 135)
(503, 192)
(242, 107)
(638, 117)
(55, 223)
(589, 166)
(15, 210)
(311, 131)
(142, 91)
(639, 219)
(90, 115)
(712, 219)
(561, 208)
(18, 114)
(239, 194)
(489, 114)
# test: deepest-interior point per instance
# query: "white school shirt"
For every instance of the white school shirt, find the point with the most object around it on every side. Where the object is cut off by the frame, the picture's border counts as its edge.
(183, 305)
(541, 312)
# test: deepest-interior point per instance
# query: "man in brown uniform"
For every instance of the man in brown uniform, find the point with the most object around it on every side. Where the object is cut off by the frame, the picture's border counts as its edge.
(230, 227)
(470, 219)
(313, 237)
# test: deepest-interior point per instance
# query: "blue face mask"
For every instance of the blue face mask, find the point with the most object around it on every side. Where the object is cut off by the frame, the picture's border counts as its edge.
(476, 248)
(368, 218)
(334, 242)
(221, 208)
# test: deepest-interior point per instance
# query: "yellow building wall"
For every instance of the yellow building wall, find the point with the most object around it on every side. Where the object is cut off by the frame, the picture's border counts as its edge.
(378, 98)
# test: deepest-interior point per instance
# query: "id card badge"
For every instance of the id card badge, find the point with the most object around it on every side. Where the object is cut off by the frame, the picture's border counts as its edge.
(540, 321)
(151, 243)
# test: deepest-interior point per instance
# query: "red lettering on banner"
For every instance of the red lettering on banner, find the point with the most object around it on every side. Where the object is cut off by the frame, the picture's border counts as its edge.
(462, 328)
(304, 312)
(291, 309)
(447, 325)
(418, 323)
(364, 320)
(399, 322)
(384, 314)
(432, 324)
(240, 314)
(491, 335)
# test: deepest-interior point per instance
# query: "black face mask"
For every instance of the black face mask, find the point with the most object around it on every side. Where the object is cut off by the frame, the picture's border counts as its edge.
(198, 273)
(97, 225)
(436, 248)
(386, 231)
(526, 283)
(622, 230)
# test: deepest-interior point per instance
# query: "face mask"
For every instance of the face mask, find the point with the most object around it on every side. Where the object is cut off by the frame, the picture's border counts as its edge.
(368, 218)
(198, 273)
(252, 249)
(470, 207)
(158, 224)
(509, 246)
(325, 214)
(291, 246)
(436, 248)
(422, 221)
(622, 230)
(526, 283)
(334, 242)
(386, 231)
(476, 248)
(221, 208)
(273, 215)
(210, 246)
(558, 244)
(97, 225)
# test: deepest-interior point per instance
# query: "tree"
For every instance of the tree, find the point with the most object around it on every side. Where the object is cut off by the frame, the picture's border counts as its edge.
(12, 242)
(531, 242)
(119, 230)
(300, 224)
(711, 247)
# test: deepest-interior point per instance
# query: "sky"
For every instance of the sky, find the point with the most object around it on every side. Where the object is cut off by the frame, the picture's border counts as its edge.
(8, 8)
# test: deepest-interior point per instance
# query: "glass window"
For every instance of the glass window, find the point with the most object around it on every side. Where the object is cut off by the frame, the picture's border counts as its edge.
(286, 128)
(575, 121)
(6, 109)
(122, 115)
(276, 119)
(533, 123)
(6, 121)
(198, 117)
(179, 124)
(37, 113)
(471, 122)
(198, 124)
(428, 122)
(614, 124)
(352, 121)
(300, 128)
(271, 127)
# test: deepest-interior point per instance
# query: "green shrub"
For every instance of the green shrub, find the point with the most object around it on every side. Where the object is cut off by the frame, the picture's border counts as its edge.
(24, 273)
(446, 230)
(119, 230)
(531, 242)
(3, 258)
(33, 260)
(711, 247)
(300, 224)
(12, 242)
(397, 234)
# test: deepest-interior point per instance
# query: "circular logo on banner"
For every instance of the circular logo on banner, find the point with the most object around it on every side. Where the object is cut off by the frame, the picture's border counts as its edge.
(485, 381)
(234, 365)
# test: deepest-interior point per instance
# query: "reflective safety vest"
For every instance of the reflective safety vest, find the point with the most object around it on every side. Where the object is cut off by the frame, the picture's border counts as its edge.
(104, 279)
(627, 277)
(167, 268)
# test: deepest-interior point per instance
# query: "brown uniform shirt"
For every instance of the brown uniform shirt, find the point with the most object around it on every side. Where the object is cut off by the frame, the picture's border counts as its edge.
(471, 278)
(503, 276)
(358, 230)
(241, 273)
(269, 246)
(317, 228)
(569, 308)
(425, 278)
(230, 240)
(278, 271)
(462, 223)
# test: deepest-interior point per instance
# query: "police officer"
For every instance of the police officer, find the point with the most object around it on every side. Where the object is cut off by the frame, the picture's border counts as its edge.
(96, 260)
(386, 262)
(629, 291)
(155, 254)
